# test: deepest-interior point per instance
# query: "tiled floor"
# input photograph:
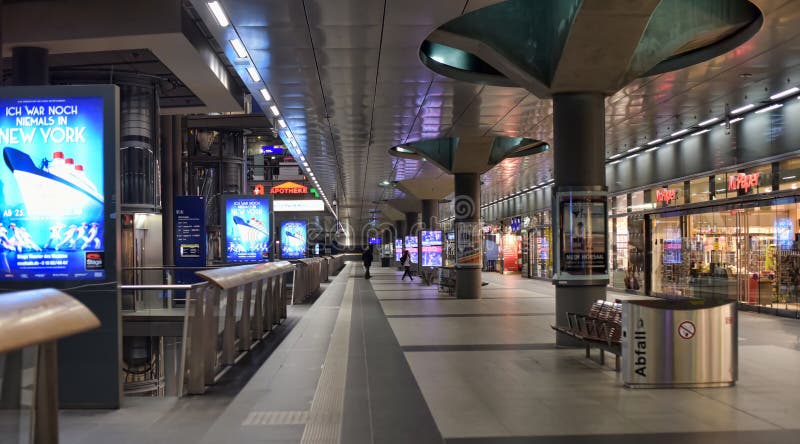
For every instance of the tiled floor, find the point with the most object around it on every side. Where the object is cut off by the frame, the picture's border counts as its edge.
(423, 367)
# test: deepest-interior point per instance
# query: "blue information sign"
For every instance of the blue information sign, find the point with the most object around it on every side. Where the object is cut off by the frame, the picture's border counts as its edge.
(190, 235)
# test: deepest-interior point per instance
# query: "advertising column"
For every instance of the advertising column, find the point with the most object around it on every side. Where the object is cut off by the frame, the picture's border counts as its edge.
(581, 240)
(58, 220)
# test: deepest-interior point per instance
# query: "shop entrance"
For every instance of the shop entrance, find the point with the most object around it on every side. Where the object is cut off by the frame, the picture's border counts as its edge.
(746, 254)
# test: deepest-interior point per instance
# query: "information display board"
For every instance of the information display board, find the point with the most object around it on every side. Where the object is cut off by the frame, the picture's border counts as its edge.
(246, 228)
(54, 190)
(431, 248)
(398, 249)
(293, 239)
(411, 246)
(468, 245)
(374, 241)
(190, 236)
(582, 256)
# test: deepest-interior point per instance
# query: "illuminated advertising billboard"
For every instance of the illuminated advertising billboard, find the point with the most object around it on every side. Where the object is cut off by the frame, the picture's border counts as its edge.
(246, 228)
(398, 249)
(411, 246)
(54, 194)
(374, 241)
(293, 239)
(431, 248)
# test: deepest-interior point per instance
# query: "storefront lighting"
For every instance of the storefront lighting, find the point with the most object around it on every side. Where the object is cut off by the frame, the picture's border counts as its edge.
(678, 133)
(784, 93)
(742, 109)
(282, 123)
(673, 142)
(653, 142)
(697, 133)
(274, 110)
(769, 108)
(239, 48)
(254, 76)
(219, 14)
(633, 149)
(788, 177)
(266, 96)
(709, 121)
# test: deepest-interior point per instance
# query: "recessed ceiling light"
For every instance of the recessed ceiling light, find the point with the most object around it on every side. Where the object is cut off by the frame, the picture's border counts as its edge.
(253, 73)
(697, 133)
(282, 123)
(738, 119)
(709, 121)
(265, 94)
(678, 133)
(274, 110)
(769, 108)
(633, 149)
(672, 142)
(653, 142)
(784, 93)
(238, 47)
(219, 14)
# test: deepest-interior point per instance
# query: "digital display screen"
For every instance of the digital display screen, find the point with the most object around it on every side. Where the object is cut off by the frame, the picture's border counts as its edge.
(411, 246)
(52, 205)
(374, 241)
(247, 231)
(672, 246)
(431, 238)
(293, 239)
(431, 248)
(398, 249)
(784, 233)
(451, 235)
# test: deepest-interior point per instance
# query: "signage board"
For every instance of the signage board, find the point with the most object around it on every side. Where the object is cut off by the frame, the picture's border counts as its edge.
(190, 231)
(398, 249)
(55, 203)
(293, 239)
(271, 150)
(310, 205)
(374, 241)
(581, 247)
(411, 246)
(666, 195)
(289, 188)
(743, 181)
(468, 245)
(431, 248)
(246, 228)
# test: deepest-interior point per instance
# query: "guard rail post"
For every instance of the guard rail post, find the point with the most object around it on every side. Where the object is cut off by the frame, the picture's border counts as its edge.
(245, 334)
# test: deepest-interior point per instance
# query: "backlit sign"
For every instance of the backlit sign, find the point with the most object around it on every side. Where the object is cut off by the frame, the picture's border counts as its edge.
(246, 228)
(293, 239)
(258, 190)
(52, 175)
(666, 195)
(310, 205)
(289, 188)
(743, 181)
(274, 150)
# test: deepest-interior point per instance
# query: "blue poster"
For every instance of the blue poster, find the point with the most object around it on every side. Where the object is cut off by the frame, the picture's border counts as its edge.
(411, 246)
(190, 236)
(293, 239)
(52, 200)
(784, 233)
(247, 237)
(398, 249)
(431, 248)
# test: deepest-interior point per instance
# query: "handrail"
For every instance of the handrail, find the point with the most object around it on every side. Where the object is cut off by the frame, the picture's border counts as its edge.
(157, 286)
(226, 278)
(37, 316)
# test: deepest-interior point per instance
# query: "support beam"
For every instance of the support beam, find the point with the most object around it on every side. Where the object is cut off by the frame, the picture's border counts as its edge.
(467, 206)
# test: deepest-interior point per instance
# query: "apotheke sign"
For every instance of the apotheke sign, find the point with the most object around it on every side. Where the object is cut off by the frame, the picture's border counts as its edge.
(289, 188)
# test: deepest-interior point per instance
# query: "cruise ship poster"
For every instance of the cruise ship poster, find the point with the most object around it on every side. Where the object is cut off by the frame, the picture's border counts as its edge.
(52, 201)
(247, 231)
(293, 239)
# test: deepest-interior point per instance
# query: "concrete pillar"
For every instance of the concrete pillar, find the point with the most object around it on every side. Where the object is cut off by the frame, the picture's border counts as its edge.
(412, 219)
(430, 214)
(29, 66)
(578, 161)
(467, 207)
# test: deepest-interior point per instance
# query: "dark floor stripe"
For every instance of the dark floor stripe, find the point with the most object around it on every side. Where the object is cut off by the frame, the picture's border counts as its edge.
(417, 299)
(479, 347)
(468, 315)
(383, 403)
(732, 437)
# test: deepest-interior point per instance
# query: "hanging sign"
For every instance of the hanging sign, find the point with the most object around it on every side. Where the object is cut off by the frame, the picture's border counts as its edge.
(289, 188)
(743, 181)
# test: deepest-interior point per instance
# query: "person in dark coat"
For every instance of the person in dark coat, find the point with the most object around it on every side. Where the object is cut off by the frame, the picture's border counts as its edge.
(405, 261)
(366, 257)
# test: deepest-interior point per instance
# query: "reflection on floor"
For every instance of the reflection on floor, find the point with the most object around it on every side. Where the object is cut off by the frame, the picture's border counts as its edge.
(424, 367)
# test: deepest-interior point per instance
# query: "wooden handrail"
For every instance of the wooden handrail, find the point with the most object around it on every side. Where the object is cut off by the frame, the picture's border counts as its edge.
(38, 316)
(232, 277)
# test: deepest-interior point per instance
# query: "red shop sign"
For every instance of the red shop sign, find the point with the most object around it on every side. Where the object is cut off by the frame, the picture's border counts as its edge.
(666, 195)
(743, 181)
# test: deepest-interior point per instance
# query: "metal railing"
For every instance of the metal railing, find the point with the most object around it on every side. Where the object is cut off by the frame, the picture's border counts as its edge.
(30, 324)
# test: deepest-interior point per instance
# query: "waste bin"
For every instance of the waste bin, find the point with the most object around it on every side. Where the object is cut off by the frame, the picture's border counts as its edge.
(386, 262)
(685, 343)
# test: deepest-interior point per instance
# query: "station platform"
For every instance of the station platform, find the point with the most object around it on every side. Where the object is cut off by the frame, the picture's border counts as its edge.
(390, 361)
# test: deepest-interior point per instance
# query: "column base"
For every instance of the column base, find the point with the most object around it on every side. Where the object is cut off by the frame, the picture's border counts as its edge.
(468, 283)
(574, 300)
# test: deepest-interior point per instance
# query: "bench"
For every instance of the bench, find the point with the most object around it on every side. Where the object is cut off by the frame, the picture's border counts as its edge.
(601, 329)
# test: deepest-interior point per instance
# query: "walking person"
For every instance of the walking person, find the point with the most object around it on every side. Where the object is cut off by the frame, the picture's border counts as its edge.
(405, 260)
(366, 258)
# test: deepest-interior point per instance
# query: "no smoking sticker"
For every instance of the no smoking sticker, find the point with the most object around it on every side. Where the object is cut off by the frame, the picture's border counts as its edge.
(686, 330)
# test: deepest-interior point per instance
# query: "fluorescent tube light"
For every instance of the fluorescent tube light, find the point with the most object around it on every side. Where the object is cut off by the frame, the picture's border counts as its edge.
(653, 142)
(709, 121)
(678, 133)
(238, 47)
(265, 94)
(769, 108)
(274, 110)
(219, 14)
(784, 93)
(253, 73)
(742, 109)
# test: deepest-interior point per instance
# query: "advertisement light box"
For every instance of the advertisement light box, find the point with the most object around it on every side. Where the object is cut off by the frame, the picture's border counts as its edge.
(310, 205)
(293, 239)
(54, 207)
(246, 228)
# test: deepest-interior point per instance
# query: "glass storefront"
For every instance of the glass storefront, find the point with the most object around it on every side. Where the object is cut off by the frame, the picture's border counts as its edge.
(745, 253)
